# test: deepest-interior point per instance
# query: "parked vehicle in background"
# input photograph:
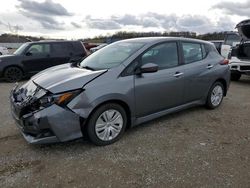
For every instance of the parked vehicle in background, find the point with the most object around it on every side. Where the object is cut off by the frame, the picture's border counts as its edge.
(92, 50)
(3, 51)
(218, 44)
(240, 55)
(122, 85)
(231, 39)
(88, 46)
(33, 57)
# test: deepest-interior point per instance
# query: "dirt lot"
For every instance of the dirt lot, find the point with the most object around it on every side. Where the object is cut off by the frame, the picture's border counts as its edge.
(193, 148)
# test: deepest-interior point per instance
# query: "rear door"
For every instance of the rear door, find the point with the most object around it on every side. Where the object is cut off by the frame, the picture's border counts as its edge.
(37, 57)
(61, 52)
(163, 89)
(198, 65)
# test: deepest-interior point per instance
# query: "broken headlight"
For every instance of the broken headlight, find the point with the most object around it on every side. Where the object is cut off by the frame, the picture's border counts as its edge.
(61, 99)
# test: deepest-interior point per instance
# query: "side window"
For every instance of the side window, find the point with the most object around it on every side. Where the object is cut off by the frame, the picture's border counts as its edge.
(192, 52)
(61, 49)
(164, 55)
(204, 51)
(79, 48)
(39, 49)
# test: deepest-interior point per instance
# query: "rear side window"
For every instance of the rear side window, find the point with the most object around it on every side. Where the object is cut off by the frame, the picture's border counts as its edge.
(61, 49)
(79, 48)
(193, 52)
(164, 55)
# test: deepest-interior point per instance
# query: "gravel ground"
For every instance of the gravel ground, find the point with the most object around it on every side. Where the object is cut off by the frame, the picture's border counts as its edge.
(192, 148)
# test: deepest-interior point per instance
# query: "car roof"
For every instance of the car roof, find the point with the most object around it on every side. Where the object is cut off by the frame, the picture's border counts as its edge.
(215, 40)
(51, 41)
(162, 39)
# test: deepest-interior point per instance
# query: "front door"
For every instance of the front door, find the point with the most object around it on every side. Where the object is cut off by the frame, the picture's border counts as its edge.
(37, 58)
(163, 89)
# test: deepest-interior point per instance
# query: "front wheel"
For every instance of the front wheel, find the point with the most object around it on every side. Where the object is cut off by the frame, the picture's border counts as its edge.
(107, 124)
(215, 95)
(13, 74)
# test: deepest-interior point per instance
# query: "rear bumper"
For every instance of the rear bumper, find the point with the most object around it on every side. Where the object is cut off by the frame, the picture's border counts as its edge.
(49, 125)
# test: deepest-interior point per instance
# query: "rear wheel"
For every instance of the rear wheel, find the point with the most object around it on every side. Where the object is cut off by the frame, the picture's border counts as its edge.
(235, 76)
(107, 124)
(215, 95)
(13, 74)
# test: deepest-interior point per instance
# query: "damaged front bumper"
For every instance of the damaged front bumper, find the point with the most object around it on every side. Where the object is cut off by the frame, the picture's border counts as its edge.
(48, 125)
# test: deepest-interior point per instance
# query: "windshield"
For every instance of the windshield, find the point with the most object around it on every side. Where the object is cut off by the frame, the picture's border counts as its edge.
(231, 38)
(20, 50)
(111, 55)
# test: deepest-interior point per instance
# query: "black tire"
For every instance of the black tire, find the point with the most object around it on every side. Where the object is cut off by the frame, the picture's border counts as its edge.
(13, 74)
(1, 53)
(91, 126)
(235, 76)
(209, 103)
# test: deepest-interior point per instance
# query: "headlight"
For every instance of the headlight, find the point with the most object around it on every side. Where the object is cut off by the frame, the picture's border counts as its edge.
(61, 99)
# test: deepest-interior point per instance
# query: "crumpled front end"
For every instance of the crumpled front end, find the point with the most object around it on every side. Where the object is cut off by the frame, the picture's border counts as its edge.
(41, 122)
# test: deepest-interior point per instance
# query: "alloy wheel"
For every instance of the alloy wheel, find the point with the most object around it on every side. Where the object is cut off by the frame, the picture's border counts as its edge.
(109, 124)
(217, 95)
(13, 74)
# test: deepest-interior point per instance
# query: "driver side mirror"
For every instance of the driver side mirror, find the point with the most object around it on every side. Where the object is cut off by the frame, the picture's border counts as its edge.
(147, 68)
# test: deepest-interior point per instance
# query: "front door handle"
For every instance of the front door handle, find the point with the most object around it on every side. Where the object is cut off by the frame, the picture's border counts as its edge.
(178, 74)
(210, 66)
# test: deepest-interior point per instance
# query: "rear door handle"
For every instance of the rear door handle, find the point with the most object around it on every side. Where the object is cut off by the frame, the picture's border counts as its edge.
(178, 74)
(210, 66)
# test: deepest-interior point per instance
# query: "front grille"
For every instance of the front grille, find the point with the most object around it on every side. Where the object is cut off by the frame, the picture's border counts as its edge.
(245, 68)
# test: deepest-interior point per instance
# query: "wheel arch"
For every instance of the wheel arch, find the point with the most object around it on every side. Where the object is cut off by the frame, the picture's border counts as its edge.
(224, 83)
(122, 103)
(18, 66)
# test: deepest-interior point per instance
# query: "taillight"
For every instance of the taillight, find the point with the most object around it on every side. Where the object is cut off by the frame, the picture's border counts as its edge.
(224, 62)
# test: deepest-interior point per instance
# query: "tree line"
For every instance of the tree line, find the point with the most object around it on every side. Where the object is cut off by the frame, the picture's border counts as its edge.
(10, 38)
(126, 35)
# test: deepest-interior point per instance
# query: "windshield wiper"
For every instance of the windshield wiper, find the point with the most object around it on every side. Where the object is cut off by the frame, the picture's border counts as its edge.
(89, 68)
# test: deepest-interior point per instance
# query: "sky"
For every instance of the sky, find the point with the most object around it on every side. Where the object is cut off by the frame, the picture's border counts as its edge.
(74, 19)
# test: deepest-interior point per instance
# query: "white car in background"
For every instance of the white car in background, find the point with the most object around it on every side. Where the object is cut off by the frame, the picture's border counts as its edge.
(231, 39)
(4, 51)
(239, 56)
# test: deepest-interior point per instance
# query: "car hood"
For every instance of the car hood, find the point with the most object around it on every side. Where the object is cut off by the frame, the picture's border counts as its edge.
(244, 29)
(65, 78)
(7, 57)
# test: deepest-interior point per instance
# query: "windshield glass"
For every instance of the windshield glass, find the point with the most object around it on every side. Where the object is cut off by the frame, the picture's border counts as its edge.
(20, 50)
(111, 55)
(231, 38)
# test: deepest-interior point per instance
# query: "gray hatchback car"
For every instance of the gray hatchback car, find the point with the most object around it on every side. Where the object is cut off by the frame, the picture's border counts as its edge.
(122, 85)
